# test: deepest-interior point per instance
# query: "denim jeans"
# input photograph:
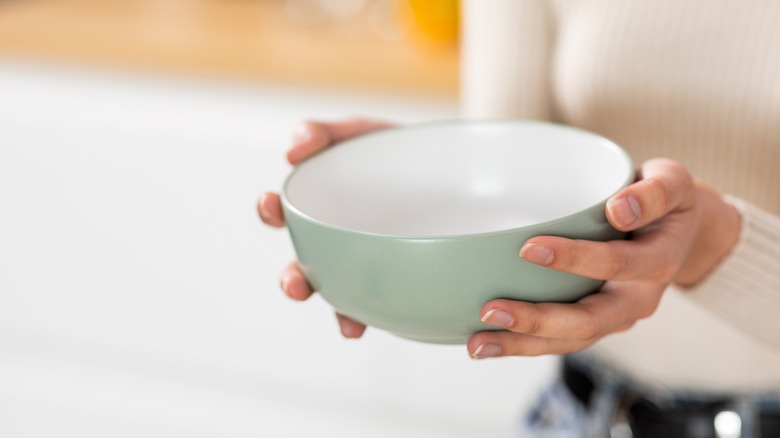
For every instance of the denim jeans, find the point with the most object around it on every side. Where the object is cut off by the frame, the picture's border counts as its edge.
(557, 413)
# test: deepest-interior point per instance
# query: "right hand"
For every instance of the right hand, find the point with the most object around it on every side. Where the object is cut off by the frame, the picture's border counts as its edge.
(310, 137)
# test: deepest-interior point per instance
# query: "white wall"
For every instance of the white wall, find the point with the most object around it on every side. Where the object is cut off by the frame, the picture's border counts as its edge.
(138, 290)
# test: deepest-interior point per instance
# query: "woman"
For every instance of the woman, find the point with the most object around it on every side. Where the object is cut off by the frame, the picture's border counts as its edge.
(696, 82)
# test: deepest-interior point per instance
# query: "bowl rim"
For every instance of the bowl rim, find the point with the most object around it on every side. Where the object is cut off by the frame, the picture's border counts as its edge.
(622, 153)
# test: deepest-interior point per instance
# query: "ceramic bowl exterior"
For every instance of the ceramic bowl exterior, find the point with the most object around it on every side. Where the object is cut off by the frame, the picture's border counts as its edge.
(430, 286)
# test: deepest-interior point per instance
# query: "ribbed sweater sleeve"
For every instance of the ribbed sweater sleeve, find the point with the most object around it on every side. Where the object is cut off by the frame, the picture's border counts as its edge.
(745, 289)
(506, 55)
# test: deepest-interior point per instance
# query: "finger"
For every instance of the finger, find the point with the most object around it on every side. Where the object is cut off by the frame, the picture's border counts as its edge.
(313, 136)
(546, 320)
(665, 185)
(353, 127)
(587, 320)
(269, 208)
(649, 256)
(502, 343)
(294, 283)
(350, 328)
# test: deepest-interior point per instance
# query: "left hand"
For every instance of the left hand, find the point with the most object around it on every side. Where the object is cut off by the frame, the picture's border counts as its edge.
(681, 230)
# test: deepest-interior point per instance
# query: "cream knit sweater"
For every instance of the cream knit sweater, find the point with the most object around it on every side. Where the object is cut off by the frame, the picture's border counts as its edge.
(694, 80)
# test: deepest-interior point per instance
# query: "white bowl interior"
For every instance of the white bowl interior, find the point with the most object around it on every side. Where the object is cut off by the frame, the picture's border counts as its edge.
(457, 178)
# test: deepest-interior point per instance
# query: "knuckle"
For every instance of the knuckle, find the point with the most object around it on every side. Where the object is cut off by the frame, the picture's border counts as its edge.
(649, 309)
(645, 313)
(666, 272)
(533, 325)
(687, 177)
(663, 265)
(618, 262)
(588, 330)
(660, 193)
(647, 306)
(575, 257)
(679, 169)
(615, 266)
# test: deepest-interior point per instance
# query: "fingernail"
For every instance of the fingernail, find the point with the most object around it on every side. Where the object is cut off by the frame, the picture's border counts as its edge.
(283, 283)
(261, 207)
(349, 331)
(624, 211)
(293, 290)
(499, 318)
(538, 254)
(485, 351)
(301, 133)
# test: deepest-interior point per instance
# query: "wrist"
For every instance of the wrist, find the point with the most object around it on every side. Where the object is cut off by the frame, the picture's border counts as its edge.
(718, 229)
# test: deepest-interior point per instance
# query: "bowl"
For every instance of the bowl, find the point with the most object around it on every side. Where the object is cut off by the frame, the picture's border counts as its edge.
(412, 230)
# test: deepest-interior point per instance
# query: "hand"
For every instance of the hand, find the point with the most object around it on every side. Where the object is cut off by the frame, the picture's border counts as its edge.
(309, 138)
(681, 230)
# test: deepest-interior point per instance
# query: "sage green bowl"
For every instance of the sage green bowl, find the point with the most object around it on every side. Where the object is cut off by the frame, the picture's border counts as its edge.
(412, 230)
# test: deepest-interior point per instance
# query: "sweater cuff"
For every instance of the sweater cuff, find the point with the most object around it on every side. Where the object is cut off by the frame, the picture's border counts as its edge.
(745, 289)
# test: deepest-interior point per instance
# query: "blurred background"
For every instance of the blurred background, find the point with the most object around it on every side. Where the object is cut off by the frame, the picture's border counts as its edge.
(138, 289)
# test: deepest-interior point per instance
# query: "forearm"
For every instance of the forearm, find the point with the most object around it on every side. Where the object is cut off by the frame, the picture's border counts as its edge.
(743, 286)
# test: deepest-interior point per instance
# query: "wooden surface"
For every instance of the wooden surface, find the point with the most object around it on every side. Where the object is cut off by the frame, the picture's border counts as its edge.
(248, 39)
